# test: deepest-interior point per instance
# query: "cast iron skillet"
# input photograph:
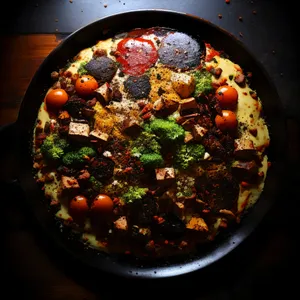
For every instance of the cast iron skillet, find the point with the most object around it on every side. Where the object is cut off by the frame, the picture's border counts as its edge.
(105, 28)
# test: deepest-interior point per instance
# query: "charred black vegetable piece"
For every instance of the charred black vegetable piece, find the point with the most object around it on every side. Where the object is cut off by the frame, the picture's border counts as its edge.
(178, 50)
(102, 68)
(74, 106)
(172, 227)
(143, 211)
(218, 188)
(102, 168)
(138, 87)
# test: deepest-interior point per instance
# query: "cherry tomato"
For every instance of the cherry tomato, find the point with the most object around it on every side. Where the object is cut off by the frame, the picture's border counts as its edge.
(226, 122)
(102, 205)
(56, 98)
(227, 96)
(85, 85)
(78, 208)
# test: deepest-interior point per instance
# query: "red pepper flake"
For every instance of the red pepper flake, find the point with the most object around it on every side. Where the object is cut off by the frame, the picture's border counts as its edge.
(205, 211)
(160, 220)
(227, 1)
(127, 252)
(240, 18)
(166, 242)
(147, 116)
(269, 164)
(245, 184)
(254, 12)
(223, 224)
(219, 16)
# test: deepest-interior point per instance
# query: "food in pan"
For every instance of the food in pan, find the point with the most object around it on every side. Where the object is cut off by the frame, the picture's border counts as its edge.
(151, 142)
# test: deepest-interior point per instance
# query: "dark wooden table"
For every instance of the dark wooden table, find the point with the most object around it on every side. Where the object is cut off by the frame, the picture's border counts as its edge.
(262, 267)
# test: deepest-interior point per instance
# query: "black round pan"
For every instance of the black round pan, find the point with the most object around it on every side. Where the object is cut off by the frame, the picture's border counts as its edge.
(105, 28)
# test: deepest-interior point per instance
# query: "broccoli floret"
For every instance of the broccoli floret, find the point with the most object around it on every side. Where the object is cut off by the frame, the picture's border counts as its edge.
(145, 143)
(134, 193)
(82, 70)
(53, 147)
(96, 185)
(78, 157)
(55, 153)
(168, 131)
(188, 154)
(62, 144)
(87, 151)
(203, 82)
(152, 160)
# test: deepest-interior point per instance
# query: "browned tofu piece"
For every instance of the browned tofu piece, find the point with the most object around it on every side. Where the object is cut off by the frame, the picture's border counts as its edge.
(188, 137)
(188, 106)
(164, 107)
(165, 175)
(244, 149)
(69, 185)
(198, 132)
(185, 118)
(197, 224)
(79, 131)
(99, 135)
(104, 93)
(121, 224)
(245, 170)
(183, 84)
(131, 127)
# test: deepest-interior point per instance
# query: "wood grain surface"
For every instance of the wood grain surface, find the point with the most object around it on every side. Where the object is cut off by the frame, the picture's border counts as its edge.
(21, 55)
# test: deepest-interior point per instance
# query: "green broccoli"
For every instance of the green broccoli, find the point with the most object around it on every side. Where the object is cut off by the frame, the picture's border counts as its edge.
(167, 130)
(87, 151)
(96, 185)
(144, 144)
(203, 81)
(134, 193)
(152, 160)
(53, 147)
(78, 157)
(188, 154)
(82, 70)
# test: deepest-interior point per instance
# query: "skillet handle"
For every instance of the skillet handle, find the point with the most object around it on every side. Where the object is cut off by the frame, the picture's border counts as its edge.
(9, 156)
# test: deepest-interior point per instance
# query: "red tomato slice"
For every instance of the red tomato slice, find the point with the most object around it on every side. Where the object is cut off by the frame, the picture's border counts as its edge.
(136, 55)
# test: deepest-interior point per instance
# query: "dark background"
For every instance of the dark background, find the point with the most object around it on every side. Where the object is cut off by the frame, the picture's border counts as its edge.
(263, 266)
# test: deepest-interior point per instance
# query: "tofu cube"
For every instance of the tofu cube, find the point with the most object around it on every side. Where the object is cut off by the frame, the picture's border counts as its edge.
(165, 175)
(69, 185)
(198, 132)
(99, 135)
(131, 127)
(104, 93)
(183, 84)
(188, 137)
(79, 131)
(244, 149)
(188, 105)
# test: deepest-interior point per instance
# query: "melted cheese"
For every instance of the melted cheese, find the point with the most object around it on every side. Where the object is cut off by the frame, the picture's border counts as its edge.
(87, 54)
(249, 109)
(248, 197)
